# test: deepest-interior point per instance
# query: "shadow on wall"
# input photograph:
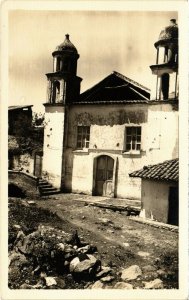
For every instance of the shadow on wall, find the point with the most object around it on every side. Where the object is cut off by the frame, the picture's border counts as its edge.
(15, 191)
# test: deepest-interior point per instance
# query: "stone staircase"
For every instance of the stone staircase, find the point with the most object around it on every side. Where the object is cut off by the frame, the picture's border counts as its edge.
(46, 189)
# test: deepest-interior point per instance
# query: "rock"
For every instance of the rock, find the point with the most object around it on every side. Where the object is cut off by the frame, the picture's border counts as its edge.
(143, 254)
(84, 264)
(60, 282)
(17, 259)
(26, 286)
(103, 272)
(126, 244)
(60, 246)
(84, 249)
(131, 273)
(50, 281)
(161, 272)
(155, 284)
(123, 285)
(105, 221)
(74, 263)
(16, 226)
(36, 271)
(149, 268)
(43, 275)
(97, 285)
(107, 279)
(31, 202)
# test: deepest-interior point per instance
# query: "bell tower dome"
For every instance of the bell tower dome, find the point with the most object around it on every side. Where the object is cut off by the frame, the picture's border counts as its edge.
(166, 67)
(63, 82)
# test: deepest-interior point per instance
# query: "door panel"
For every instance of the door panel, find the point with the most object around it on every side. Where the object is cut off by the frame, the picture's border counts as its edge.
(38, 165)
(104, 175)
(173, 212)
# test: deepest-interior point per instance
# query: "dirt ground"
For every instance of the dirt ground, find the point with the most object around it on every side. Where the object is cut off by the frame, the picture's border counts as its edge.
(120, 241)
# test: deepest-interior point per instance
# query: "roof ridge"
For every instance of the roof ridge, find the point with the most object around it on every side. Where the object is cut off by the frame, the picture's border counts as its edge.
(131, 81)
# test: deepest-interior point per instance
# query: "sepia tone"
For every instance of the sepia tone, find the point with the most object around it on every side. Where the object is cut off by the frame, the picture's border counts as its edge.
(93, 179)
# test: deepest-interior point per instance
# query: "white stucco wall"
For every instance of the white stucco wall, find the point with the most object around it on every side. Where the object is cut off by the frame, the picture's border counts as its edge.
(154, 196)
(107, 137)
(53, 144)
(162, 133)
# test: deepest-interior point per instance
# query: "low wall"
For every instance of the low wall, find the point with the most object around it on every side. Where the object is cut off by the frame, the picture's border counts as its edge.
(26, 182)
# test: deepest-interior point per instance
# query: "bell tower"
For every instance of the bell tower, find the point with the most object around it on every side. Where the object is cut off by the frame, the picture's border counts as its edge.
(63, 88)
(63, 83)
(165, 84)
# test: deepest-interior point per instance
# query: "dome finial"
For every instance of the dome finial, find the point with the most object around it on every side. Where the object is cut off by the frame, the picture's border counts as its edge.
(67, 36)
(173, 22)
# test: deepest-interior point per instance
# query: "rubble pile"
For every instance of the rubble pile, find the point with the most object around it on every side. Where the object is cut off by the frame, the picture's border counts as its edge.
(48, 253)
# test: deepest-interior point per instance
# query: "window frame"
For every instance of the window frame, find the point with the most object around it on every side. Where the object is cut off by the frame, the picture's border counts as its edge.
(137, 142)
(83, 132)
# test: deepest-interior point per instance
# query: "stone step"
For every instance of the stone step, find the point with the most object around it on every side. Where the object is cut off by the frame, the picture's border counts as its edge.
(45, 185)
(48, 188)
(48, 193)
(42, 181)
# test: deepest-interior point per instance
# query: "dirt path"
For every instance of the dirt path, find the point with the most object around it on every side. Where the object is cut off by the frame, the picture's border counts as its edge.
(120, 241)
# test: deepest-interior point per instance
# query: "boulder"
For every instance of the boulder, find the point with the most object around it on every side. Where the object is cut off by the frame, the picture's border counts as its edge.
(84, 265)
(131, 273)
(126, 244)
(154, 284)
(50, 281)
(123, 285)
(97, 285)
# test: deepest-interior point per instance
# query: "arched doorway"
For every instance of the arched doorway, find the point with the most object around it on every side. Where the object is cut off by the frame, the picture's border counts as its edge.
(104, 176)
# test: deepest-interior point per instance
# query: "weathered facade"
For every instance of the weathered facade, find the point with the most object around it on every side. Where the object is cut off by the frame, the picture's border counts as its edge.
(93, 140)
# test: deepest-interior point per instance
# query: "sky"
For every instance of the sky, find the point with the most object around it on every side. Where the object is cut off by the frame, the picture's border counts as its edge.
(107, 41)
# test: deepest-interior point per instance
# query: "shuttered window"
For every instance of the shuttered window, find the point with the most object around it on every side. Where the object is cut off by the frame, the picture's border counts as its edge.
(83, 137)
(133, 138)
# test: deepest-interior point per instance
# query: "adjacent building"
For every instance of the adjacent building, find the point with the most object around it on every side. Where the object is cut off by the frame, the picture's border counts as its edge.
(159, 191)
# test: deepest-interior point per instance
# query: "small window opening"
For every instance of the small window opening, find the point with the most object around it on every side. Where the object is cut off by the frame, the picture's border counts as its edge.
(83, 137)
(133, 138)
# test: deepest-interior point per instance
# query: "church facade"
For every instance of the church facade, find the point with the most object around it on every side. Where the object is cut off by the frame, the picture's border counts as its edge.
(94, 139)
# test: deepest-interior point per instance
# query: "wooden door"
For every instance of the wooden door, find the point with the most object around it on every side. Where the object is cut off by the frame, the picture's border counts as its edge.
(38, 164)
(104, 176)
(173, 213)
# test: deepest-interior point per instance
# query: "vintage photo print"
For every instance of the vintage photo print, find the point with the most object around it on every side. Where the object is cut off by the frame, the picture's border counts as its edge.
(94, 121)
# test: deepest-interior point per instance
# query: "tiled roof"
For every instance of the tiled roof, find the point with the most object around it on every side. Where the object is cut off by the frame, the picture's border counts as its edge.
(13, 107)
(112, 102)
(115, 88)
(167, 170)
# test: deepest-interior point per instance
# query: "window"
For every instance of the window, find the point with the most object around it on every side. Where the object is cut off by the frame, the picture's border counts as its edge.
(133, 138)
(83, 137)
(165, 86)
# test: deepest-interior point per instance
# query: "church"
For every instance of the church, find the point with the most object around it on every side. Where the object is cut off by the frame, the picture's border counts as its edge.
(95, 139)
